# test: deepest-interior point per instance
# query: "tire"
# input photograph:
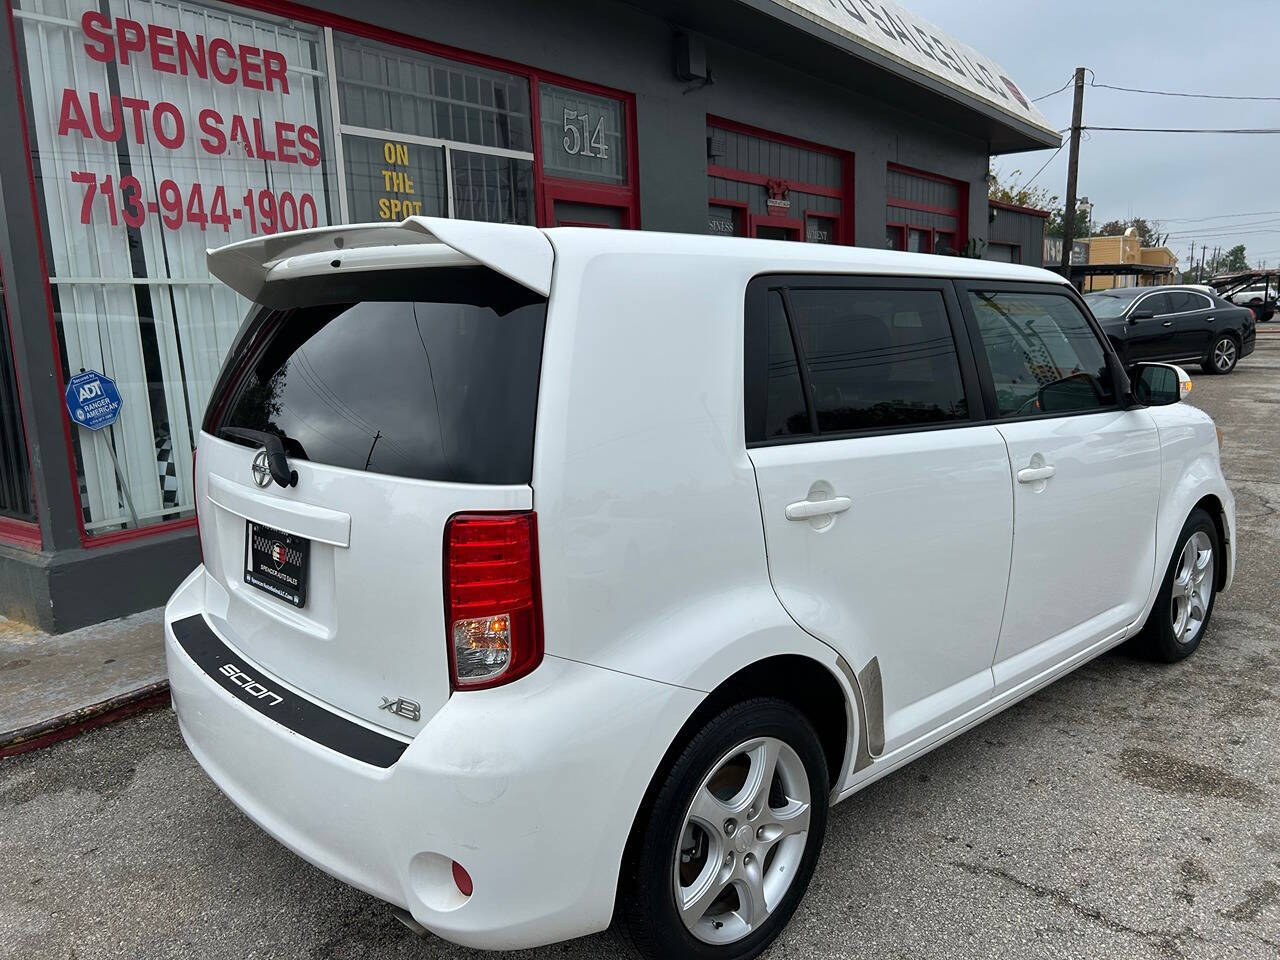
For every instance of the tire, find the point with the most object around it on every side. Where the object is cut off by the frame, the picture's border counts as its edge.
(677, 853)
(1166, 637)
(1223, 355)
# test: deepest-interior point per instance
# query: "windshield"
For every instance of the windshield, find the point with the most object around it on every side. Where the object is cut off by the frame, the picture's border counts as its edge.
(1107, 305)
(430, 374)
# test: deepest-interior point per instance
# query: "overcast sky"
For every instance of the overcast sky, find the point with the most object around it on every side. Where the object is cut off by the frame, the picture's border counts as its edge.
(1228, 47)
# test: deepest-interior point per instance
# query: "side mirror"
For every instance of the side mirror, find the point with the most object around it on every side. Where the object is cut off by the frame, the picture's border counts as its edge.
(1076, 392)
(1159, 384)
(1143, 314)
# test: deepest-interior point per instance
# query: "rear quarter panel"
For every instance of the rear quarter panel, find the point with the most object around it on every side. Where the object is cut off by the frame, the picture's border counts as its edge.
(652, 549)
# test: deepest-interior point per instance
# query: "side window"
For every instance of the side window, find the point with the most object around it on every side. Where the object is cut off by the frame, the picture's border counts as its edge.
(1044, 356)
(1185, 301)
(1157, 303)
(785, 412)
(878, 358)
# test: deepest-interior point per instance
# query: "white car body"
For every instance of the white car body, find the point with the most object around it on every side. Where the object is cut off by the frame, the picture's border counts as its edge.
(946, 593)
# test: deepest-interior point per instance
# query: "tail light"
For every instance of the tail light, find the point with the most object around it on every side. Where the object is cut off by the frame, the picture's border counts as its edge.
(492, 601)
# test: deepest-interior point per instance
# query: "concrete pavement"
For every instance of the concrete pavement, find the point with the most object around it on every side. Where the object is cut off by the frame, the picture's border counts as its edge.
(52, 686)
(1129, 811)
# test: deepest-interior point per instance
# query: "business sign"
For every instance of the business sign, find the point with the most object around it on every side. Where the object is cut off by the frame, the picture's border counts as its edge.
(179, 103)
(93, 400)
(898, 33)
(1053, 251)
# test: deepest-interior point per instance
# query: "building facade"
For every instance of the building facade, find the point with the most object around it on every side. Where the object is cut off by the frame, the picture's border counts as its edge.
(1124, 262)
(1016, 234)
(145, 131)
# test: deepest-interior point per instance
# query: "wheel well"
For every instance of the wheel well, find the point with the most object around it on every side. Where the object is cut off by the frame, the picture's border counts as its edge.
(802, 682)
(1211, 505)
(806, 684)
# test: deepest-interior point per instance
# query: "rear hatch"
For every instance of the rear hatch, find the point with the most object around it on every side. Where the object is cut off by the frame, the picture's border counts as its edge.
(400, 397)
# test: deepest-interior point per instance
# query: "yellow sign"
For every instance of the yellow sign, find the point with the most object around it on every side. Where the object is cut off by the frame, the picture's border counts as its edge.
(398, 184)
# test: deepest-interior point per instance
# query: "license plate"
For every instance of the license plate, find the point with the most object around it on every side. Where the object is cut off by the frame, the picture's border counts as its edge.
(277, 563)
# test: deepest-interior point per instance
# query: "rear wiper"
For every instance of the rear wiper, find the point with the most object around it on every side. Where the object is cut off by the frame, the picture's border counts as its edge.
(276, 460)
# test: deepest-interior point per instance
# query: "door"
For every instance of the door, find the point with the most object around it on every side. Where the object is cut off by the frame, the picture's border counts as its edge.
(334, 583)
(1193, 324)
(587, 205)
(887, 511)
(776, 228)
(1087, 478)
(1150, 338)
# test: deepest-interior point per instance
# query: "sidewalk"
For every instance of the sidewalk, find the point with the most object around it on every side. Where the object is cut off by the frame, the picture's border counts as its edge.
(53, 687)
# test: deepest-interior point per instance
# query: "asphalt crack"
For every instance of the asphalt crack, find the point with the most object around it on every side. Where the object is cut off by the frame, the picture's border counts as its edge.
(1166, 943)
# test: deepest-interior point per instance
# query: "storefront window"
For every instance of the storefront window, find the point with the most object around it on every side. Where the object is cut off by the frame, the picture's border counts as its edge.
(160, 129)
(15, 472)
(422, 135)
(583, 135)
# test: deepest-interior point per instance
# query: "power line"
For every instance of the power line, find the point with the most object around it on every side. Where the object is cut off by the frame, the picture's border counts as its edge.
(1218, 216)
(1222, 229)
(1055, 92)
(1041, 170)
(1171, 93)
(1249, 131)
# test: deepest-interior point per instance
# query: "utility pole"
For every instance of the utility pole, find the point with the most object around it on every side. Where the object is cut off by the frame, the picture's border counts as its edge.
(1073, 169)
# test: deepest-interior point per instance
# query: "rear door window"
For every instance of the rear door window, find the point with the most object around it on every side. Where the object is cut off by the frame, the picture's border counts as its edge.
(879, 358)
(430, 374)
(832, 360)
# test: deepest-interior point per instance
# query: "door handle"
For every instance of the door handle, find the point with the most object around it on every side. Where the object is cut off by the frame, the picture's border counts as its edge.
(1032, 474)
(808, 509)
(1167, 323)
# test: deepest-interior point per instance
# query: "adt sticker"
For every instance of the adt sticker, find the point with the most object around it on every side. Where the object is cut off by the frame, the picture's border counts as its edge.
(93, 400)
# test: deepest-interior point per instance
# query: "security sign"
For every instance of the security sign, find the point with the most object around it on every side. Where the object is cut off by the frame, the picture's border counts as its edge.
(93, 400)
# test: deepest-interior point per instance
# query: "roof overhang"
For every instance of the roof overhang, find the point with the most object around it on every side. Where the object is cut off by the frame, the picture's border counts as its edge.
(882, 50)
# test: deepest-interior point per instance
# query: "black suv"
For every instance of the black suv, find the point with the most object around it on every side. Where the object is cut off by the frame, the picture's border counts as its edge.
(1177, 324)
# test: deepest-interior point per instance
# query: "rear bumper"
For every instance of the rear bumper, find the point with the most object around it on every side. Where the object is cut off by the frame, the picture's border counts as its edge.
(531, 787)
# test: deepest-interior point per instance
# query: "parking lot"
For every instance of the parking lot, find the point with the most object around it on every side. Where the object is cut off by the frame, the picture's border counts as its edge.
(1131, 810)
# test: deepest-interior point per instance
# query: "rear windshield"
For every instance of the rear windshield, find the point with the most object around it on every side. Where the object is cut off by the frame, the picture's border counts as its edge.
(1108, 305)
(430, 374)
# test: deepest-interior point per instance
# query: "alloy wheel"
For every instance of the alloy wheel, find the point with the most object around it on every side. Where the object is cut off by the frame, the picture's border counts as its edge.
(1224, 354)
(1192, 587)
(742, 840)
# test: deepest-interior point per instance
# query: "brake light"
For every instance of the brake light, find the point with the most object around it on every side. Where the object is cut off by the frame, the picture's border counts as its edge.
(492, 601)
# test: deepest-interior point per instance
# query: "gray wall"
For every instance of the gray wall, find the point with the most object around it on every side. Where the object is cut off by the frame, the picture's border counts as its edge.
(1011, 226)
(607, 43)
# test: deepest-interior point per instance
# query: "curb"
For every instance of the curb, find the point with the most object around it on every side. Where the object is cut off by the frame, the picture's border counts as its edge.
(68, 725)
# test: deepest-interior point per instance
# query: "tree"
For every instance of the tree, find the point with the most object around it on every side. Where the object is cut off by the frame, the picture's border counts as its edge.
(1233, 261)
(1010, 190)
(1083, 228)
(1148, 232)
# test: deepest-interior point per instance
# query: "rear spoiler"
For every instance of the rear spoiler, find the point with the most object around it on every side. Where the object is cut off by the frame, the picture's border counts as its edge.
(523, 254)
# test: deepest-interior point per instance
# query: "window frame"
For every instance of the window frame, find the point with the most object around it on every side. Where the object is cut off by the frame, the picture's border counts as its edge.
(964, 287)
(755, 353)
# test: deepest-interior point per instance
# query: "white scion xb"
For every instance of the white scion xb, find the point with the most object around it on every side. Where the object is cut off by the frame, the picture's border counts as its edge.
(553, 575)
